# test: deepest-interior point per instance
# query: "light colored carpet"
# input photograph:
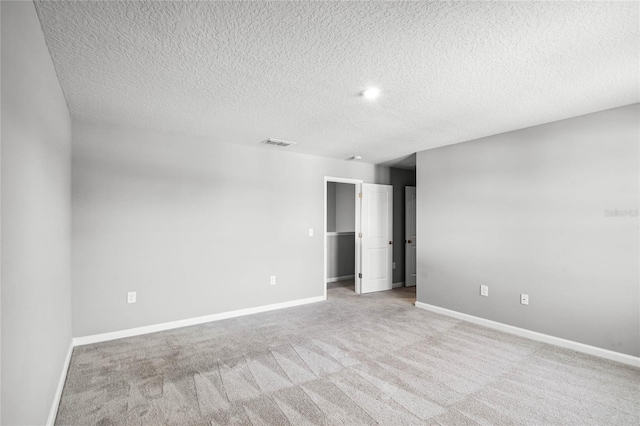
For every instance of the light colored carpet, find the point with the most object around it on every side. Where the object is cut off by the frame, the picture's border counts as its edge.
(371, 359)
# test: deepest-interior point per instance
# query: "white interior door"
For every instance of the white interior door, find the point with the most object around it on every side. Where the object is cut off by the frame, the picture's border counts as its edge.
(377, 238)
(410, 237)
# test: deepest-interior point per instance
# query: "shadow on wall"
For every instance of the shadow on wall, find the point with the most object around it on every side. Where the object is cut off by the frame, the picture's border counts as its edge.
(400, 178)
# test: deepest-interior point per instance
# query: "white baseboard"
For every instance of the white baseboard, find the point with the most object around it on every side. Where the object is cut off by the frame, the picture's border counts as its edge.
(56, 398)
(95, 338)
(533, 335)
(398, 284)
(343, 278)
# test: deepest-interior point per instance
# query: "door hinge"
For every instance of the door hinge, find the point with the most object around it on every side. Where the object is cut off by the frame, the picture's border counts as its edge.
(360, 275)
(360, 235)
(360, 195)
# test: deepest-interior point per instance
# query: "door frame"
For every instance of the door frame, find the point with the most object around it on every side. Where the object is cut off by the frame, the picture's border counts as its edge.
(407, 278)
(358, 184)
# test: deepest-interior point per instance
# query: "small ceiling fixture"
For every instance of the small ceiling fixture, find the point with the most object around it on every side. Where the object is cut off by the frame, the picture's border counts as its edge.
(277, 142)
(356, 157)
(370, 93)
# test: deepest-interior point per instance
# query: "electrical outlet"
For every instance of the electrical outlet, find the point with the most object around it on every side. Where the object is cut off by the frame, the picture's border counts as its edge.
(484, 290)
(131, 297)
(524, 299)
(394, 265)
(273, 280)
(311, 232)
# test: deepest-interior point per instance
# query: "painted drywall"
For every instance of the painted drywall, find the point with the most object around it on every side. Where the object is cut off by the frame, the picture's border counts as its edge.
(331, 206)
(341, 207)
(36, 214)
(529, 212)
(341, 250)
(400, 178)
(194, 226)
(345, 207)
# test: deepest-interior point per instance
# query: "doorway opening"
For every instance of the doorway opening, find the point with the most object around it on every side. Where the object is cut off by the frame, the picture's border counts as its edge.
(367, 241)
(341, 245)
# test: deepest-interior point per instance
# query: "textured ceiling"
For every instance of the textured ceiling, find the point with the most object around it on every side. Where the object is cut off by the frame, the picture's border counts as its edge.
(239, 72)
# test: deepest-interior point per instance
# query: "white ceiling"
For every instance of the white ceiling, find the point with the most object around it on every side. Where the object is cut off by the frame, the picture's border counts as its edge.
(239, 72)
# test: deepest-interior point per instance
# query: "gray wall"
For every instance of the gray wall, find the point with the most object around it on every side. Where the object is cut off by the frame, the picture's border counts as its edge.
(341, 251)
(400, 178)
(524, 212)
(36, 202)
(341, 207)
(345, 207)
(194, 226)
(331, 207)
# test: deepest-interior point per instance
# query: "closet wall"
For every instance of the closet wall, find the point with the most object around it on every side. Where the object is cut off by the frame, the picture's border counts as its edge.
(341, 210)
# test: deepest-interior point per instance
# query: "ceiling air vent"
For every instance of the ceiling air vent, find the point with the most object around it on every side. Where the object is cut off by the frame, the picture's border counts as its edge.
(277, 142)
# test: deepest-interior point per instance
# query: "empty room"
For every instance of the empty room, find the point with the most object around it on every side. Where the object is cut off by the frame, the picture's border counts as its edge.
(320, 213)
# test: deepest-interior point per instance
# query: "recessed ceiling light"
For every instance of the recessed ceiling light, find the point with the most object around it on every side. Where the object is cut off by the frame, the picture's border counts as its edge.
(371, 93)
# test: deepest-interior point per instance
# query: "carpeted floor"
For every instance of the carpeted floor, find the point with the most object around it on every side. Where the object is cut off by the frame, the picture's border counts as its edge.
(371, 359)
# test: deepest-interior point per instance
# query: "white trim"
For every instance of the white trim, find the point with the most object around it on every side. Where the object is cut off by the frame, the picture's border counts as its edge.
(398, 284)
(86, 340)
(534, 335)
(343, 278)
(358, 184)
(58, 395)
(341, 233)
